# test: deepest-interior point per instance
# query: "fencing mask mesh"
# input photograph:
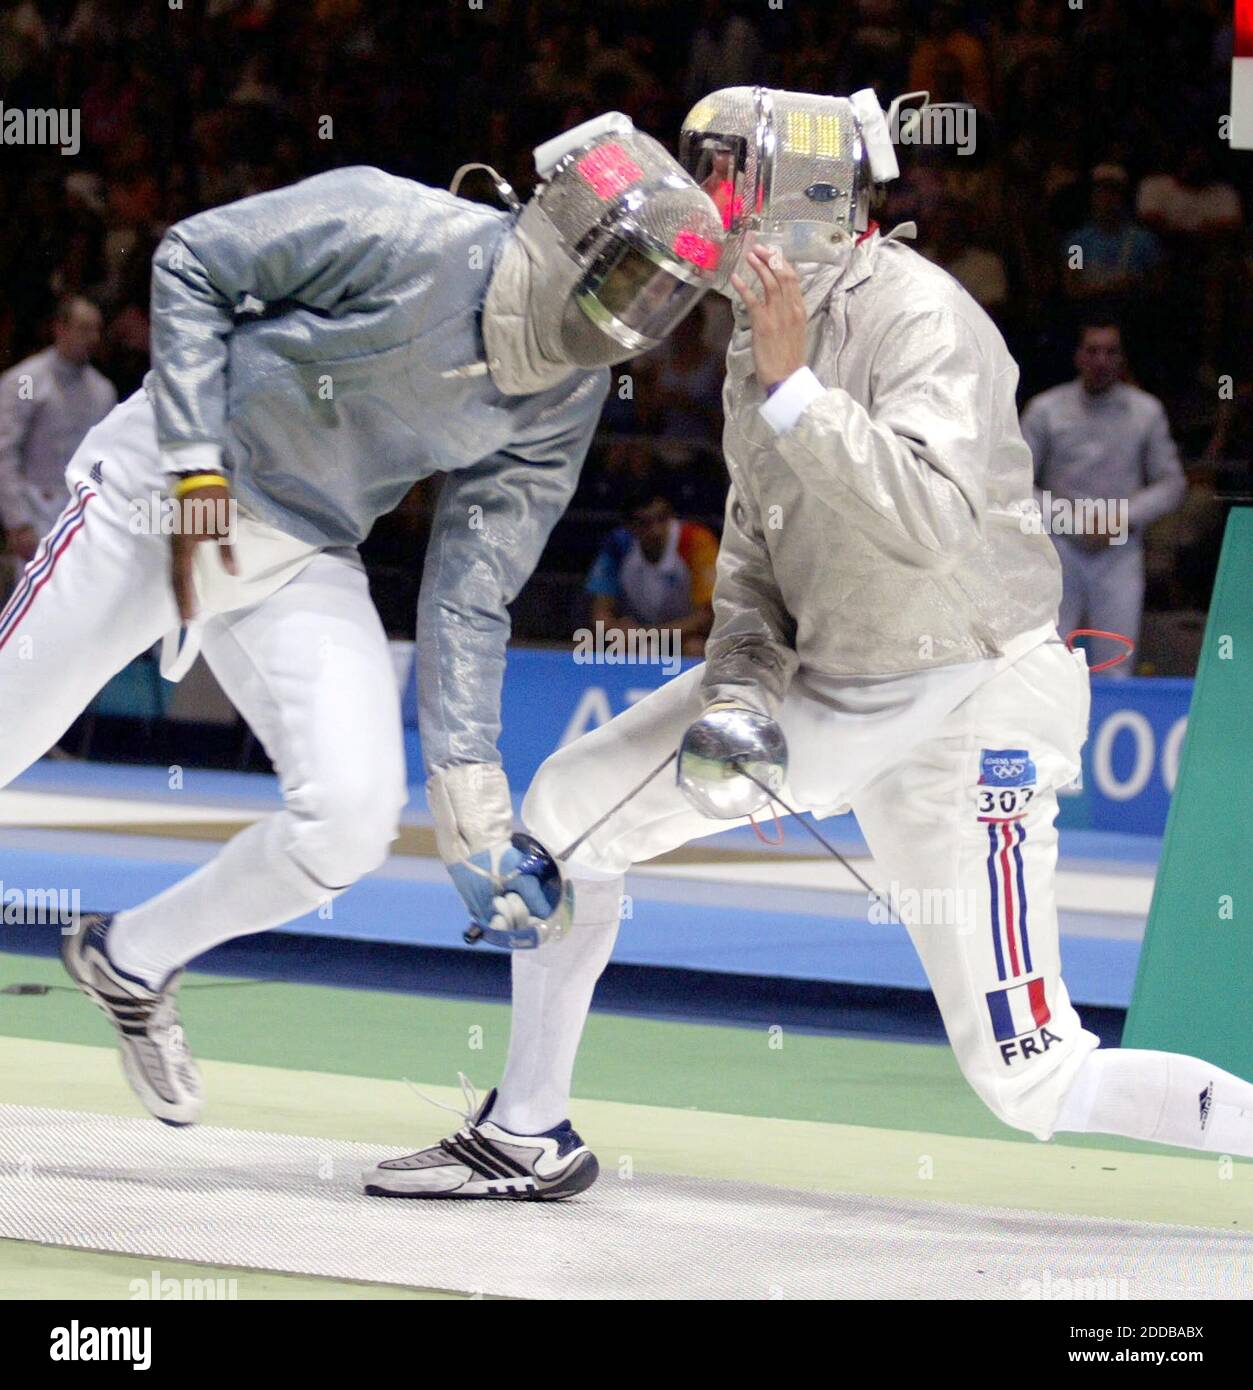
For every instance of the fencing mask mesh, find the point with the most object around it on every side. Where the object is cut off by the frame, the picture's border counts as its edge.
(793, 169)
(617, 245)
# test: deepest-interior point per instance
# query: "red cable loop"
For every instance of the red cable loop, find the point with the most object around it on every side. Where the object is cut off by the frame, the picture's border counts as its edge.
(752, 820)
(1100, 632)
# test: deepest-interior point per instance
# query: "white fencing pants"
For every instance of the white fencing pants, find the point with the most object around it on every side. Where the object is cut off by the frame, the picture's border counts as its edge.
(961, 828)
(308, 667)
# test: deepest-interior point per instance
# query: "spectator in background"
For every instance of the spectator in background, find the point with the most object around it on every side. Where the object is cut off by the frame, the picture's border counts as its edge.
(725, 51)
(656, 571)
(558, 74)
(47, 403)
(1100, 438)
(947, 38)
(880, 47)
(980, 272)
(24, 40)
(1199, 218)
(680, 390)
(1032, 35)
(110, 104)
(125, 349)
(1116, 257)
(1190, 205)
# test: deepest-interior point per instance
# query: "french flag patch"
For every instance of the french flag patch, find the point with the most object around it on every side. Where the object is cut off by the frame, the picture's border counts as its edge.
(1018, 1010)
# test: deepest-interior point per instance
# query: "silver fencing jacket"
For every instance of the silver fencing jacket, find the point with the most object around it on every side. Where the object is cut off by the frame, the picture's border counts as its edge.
(323, 343)
(881, 534)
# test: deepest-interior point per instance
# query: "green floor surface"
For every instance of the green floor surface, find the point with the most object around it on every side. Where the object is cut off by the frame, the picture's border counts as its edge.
(739, 1071)
(29, 1271)
(822, 1113)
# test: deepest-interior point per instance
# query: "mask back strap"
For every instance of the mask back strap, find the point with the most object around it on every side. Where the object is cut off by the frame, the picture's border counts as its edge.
(504, 189)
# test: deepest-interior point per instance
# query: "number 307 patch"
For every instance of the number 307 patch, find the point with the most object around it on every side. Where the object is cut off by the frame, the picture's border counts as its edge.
(1007, 779)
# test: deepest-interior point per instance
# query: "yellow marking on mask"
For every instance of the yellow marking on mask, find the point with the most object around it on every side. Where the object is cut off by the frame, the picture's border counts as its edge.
(799, 137)
(828, 131)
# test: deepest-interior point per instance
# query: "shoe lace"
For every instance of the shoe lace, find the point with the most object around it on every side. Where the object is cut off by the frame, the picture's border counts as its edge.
(468, 1094)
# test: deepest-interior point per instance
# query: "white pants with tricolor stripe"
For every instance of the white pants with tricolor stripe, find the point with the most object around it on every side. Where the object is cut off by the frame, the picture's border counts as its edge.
(308, 666)
(961, 827)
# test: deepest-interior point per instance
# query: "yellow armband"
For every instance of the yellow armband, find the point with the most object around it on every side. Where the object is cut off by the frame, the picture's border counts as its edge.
(194, 482)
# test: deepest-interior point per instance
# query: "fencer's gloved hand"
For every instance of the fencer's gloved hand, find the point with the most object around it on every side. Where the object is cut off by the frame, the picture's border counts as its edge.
(730, 760)
(512, 886)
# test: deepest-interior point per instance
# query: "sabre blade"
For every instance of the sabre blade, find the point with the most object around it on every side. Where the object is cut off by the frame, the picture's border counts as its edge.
(613, 810)
(813, 830)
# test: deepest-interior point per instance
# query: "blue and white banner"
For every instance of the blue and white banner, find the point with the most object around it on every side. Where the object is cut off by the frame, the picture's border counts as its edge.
(1131, 759)
(1129, 765)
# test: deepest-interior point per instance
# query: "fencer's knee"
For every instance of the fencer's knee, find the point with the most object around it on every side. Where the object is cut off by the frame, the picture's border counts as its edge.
(1034, 1111)
(1025, 1116)
(345, 827)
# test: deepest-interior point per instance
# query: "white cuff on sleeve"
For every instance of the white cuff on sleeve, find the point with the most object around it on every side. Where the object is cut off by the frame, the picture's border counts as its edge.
(471, 808)
(195, 457)
(786, 406)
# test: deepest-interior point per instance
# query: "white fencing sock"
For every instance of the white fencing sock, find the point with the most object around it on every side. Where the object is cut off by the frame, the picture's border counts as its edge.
(552, 992)
(254, 884)
(1163, 1096)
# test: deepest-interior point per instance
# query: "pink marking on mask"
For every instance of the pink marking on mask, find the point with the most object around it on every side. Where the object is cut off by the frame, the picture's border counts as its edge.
(609, 170)
(698, 249)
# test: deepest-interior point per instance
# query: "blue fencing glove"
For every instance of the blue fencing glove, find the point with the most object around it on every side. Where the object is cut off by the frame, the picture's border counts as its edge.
(511, 885)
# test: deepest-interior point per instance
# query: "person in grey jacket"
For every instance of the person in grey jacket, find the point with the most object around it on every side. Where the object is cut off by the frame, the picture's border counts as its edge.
(316, 350)
(884, 639)
(47, 403)
(1106, 468)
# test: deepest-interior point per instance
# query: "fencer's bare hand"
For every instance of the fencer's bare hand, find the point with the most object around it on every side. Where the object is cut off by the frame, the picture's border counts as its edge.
(777, 312)
(204, 515)
(23, 542)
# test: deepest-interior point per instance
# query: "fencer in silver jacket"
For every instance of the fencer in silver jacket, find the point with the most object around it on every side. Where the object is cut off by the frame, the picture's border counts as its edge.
(882, 533)
(320, 348)
(874, 520)
(307, 341)
(328, 344)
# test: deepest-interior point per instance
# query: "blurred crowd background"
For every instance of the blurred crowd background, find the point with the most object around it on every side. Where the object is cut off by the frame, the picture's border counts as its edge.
(1097, 127)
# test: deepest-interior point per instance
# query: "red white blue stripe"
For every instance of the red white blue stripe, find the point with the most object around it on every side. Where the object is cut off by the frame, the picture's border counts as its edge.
(43, 566)
(1007, 885)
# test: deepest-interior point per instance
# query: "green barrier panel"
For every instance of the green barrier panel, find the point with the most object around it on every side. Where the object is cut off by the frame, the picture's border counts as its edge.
(1194, 987)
